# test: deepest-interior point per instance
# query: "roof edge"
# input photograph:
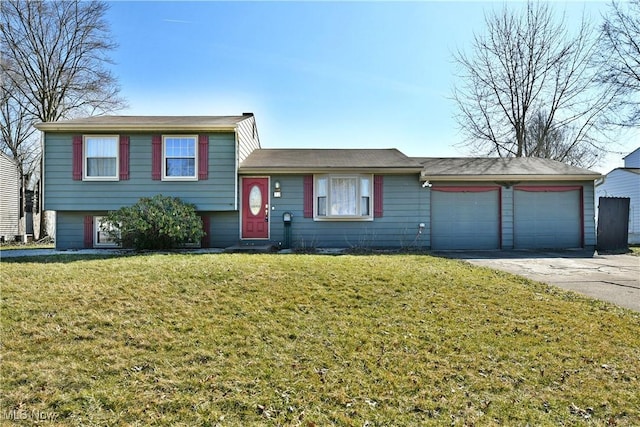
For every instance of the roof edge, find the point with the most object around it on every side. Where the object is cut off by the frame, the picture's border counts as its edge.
(485, 178)
(138, 124)
(301, 170)
(62, 127)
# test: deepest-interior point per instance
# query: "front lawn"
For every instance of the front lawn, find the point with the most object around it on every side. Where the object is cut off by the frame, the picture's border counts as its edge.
(309, 340)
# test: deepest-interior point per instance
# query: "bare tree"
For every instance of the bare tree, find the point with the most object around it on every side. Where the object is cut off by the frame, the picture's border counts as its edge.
(620, 59)
(528, 64)
(553, 142)
(55, 62)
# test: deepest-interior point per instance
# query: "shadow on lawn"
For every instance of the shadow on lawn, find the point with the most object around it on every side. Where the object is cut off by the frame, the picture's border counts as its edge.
(517, 254)
(73, 256)
(59, 258)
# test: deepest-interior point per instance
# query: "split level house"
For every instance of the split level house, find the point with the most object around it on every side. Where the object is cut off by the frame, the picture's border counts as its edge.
(307, 198)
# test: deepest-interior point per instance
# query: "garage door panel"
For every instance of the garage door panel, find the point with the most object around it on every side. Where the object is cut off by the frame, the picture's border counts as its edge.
(547, 219)
(465, 220)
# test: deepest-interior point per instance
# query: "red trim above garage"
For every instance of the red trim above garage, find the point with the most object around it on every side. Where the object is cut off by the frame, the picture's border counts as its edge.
(547, 187)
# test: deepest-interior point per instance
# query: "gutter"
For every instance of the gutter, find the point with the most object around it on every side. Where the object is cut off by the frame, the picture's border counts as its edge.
(62, 127)
(327, 169)
(485, 178)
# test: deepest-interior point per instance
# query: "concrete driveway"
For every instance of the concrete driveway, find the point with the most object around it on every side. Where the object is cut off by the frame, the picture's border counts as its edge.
(612, 278)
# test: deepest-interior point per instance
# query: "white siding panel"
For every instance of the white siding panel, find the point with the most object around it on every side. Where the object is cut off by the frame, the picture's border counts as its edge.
(248, 139)
(632, 160)
(9, 197)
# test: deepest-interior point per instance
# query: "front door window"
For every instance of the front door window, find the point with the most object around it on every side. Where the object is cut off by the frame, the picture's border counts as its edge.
(255, 200)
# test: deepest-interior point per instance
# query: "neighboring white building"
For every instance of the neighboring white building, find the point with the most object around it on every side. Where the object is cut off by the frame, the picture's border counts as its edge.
(625, 182)
(9, 198)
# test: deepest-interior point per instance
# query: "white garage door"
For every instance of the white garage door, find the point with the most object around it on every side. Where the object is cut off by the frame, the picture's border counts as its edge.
(465, 218)
(547, 217)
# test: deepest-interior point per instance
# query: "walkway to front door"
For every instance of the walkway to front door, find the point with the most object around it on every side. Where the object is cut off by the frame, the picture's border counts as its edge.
(255, 208)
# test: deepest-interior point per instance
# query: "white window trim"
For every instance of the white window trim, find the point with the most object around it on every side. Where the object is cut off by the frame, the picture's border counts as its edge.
(85, 169)
(330, 217)
(164, 159)
(97, 221)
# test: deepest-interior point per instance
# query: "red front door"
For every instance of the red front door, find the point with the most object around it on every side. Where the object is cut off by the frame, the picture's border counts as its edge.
(255, 208)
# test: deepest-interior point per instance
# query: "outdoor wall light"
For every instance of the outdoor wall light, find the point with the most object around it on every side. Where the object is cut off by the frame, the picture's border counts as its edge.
(276, 191)
(276, 185)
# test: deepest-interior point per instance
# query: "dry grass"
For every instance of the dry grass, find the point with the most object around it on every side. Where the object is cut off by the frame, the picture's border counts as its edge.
(307, 340)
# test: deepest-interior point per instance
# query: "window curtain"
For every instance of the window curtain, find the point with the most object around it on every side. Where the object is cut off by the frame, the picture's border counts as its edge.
(343, 196)
(101, 156)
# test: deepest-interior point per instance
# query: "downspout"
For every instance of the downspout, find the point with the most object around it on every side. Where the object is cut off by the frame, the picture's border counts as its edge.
(582, 219)
(43, 232)
(237, 163)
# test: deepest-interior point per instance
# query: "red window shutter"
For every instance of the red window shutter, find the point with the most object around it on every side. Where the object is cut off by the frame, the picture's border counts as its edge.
(77, 157)
(156, 157)
(308, 196)
(124, 157)
(203, 157)
(377, 196)
(206, 226)
(88, 231)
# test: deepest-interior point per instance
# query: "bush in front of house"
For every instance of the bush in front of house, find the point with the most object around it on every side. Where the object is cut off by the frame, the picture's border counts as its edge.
(158, 222)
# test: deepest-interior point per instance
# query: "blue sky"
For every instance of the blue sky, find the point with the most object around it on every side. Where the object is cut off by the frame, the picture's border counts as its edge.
(315, 74)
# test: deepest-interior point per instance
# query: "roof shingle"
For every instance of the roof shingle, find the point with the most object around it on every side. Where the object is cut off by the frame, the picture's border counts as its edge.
(499, 168)
(327, 159)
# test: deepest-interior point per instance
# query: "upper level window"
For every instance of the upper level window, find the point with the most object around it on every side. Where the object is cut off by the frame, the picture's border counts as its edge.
(101, 157)
(180, 158)
(343, 197)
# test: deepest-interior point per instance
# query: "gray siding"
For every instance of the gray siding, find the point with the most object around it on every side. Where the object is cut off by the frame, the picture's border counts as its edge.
(507, 218)
(589, 212)
(9, 197)
(224, 229)
(404, 208)
(63, 193)
(70, 229)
